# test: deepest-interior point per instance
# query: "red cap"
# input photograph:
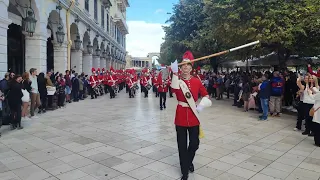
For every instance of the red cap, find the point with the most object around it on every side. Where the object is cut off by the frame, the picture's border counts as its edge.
(188, 57)
(98, 69)
(103, 69)
(93, 70)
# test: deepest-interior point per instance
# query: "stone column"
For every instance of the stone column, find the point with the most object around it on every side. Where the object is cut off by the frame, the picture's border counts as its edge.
(76, 60)
(108, 64)
(36, 53)
(96, 61)
(4, 23)
(103, 63)
(86, 63)
(60, 57)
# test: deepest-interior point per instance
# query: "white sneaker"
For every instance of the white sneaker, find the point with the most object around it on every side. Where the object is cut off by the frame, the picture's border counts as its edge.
(34, 117)
(295, 129)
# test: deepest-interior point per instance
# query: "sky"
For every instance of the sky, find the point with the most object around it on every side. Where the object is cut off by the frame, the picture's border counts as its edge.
(145, 19)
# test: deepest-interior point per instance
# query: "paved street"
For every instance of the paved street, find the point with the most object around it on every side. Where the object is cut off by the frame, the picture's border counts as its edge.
(128, 139)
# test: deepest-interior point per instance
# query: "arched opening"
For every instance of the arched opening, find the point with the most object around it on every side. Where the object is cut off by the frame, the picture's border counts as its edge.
(76, 54)
(50, 54)
(15, 41)
(16, 49)
(53, 63)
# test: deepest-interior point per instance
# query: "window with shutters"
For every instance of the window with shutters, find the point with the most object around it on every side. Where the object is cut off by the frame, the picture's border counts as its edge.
(102, 17)
(107, 22)
(86, 5)
(96, 9)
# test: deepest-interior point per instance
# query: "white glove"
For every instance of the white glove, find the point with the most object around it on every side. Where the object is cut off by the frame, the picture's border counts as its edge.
(199, 108)
(174, 66)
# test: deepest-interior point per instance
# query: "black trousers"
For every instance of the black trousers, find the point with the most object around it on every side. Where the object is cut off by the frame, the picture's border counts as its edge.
(127, 88)
(106, 89)
(50, 101)
(92, 92)
(61, 98)
(170, 92)
(43, 103)
(15, 114)
(112, 94)
(75, 95)
(316, 130)
(308, 118)
(187, 153)
(163, 99)
(145, 90)
(300, 115)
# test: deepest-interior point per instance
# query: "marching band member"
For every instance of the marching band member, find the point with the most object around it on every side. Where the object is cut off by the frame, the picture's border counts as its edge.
(144, 83)
(154, 84)
(93, 84)
(162, 88)
(187, 118)
(100, 76)
(111, 83)
(105, 82)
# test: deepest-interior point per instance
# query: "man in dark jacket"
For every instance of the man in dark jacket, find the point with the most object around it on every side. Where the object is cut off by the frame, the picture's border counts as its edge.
(277, 89)
(75, 87)
(264, 94)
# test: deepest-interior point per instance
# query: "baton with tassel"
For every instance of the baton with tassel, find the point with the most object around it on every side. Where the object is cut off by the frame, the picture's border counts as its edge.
(222, 52)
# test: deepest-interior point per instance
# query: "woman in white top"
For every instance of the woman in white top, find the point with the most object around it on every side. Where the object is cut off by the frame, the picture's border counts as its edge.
(308, 100)
(316, 116)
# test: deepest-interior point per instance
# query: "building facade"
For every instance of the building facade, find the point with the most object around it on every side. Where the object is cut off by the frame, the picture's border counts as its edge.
(140, 62)
(62, 34)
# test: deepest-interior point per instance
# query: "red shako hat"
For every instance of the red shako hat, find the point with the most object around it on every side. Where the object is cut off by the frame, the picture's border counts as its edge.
(188, 57)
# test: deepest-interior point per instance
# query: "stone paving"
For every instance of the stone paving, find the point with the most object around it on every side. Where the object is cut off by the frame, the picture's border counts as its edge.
(129, 139)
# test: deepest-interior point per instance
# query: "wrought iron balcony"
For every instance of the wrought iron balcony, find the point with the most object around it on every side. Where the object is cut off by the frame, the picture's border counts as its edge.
(121, 22)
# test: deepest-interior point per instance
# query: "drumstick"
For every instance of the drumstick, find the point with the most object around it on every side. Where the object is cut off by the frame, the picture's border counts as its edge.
(222, 52)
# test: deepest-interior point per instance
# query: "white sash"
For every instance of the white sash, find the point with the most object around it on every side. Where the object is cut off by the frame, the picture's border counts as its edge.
(191, 102)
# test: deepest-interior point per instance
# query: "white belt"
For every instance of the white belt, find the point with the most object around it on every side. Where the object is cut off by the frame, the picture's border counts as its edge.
(183, 104)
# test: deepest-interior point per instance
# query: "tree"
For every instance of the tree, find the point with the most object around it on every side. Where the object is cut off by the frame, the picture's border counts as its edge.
(186, 21)
(284, 26)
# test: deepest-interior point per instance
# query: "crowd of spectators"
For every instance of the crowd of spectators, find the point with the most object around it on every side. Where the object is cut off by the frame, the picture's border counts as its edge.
(23, 97)
(270, 93)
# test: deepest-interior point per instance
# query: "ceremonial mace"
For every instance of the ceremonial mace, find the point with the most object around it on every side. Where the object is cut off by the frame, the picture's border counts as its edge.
(222, 52)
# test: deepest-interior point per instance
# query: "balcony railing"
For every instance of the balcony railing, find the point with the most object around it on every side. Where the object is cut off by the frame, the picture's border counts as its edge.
(121, 23)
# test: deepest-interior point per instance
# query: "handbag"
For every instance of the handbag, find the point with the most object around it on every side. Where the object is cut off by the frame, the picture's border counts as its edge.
(26, 96)
(312, 111)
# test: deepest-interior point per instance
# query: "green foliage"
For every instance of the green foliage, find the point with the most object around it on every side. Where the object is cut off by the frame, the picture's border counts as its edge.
(206, 26)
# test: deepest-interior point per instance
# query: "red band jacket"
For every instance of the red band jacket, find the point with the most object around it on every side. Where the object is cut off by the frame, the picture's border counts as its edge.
(184, 115)
(163, 86)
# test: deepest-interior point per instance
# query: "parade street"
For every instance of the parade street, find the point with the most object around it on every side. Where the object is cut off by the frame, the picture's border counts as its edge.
(128, 139)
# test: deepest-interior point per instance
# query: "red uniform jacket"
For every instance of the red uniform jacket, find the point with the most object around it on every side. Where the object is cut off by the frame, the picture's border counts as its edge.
(100, 78)
(93, 81)
(184, 115)
(154, 80)
(144, 81)
(111, 80)
(105, 79)
(163, 86)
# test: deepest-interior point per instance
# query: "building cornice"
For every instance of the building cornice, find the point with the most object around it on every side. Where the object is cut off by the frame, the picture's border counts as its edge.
(86, 20)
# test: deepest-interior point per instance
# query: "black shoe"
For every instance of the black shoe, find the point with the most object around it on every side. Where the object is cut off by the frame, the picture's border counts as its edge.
(184, 178)
(39, 112)
(164, 106)
(311, 134)
(13, 127)
(161, 108)
(305, 133)
(191, 168)
(44, 111)
(92, 97)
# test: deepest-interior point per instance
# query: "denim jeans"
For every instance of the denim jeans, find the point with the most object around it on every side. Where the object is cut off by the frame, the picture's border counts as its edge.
(264, 106)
